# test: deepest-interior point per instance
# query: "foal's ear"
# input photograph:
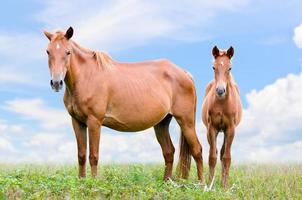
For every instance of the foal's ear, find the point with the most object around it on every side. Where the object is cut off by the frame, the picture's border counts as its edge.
(48, 35)
(230, 52)
(69, 33)
(215, 51)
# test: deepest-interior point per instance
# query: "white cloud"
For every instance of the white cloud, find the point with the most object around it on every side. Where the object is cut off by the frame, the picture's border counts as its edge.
(35, 109)
(5, 145)
(23, 46)
(271, 126)
(19, 53)
(44, 139)
(122, 24)
(8, 75)
(130, 147)
(298, 36)
(6, 129)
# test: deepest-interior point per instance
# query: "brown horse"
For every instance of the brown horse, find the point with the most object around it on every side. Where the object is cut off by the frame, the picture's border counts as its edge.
(221, 111)
(124, 97)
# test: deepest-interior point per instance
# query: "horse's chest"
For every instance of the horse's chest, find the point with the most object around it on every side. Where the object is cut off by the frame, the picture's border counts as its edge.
(76, 111)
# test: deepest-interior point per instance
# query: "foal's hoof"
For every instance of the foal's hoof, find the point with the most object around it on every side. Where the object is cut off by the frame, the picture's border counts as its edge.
(225, 186)
(82, 176)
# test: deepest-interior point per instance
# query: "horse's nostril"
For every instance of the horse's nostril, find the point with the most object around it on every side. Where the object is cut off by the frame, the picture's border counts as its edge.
(61, 82)
(51, 82)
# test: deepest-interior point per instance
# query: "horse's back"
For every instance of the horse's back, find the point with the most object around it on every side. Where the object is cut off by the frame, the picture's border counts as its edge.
(145, 89)
(162, 70)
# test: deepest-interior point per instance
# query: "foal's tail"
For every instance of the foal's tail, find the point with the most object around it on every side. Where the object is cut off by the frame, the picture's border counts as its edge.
(184, 162)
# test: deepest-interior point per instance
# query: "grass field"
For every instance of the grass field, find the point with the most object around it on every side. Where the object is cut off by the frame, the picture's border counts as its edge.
(136, 181)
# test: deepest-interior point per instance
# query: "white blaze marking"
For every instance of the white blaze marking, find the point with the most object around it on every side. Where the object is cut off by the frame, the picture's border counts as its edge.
(221, 84)
(58, 46)
(221, 62)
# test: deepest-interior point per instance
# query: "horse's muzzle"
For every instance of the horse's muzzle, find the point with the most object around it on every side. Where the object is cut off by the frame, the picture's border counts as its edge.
(56, 85)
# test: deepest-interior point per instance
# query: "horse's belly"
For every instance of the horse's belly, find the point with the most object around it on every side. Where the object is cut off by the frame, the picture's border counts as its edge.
(132, 124)
(135, 119)
(139, 105)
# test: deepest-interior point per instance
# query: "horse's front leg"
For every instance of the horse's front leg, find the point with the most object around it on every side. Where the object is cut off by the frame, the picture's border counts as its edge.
(226, 157)
(94, 126)
(80, 131)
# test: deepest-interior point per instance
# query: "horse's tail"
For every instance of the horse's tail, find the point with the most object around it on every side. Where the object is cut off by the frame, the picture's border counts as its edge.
(184, 162)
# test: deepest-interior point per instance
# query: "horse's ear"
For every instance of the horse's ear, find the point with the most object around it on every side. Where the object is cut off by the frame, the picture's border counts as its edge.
(48, 34)
(230, 52)
(69, 33)
(215, 51)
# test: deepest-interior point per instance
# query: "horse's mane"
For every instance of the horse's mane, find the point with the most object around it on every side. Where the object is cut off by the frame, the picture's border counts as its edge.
(82, 49)
(104, 60)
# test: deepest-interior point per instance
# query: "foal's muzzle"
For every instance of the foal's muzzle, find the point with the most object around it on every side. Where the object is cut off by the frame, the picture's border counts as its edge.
(56, 85)
(220, 92)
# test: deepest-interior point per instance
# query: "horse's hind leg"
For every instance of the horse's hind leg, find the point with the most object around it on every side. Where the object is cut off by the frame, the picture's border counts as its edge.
(163, 137)
(187, 126)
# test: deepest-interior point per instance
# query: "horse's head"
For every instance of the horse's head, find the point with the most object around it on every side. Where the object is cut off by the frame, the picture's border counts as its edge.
(58, 50)
(222, 67)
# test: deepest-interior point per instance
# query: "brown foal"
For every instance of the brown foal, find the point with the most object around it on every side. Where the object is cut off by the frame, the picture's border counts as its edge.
(221, 111)
(125, 97)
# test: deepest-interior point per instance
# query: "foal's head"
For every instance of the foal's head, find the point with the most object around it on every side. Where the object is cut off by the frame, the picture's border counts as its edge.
(222, 67)
(58, 50)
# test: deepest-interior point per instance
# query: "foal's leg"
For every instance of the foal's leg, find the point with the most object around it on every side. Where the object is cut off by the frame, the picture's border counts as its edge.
(226, 158)
(80, 131)
(94, 140)
(221, 156)
(188, 129)
(163, 137)
(212, 135)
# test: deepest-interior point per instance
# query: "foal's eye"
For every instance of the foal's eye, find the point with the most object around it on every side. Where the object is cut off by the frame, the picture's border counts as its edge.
(47, 52)
(67, 52)
(230, 68)
(213, 68)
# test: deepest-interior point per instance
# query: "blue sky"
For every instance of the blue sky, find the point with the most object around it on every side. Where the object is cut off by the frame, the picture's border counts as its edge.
(266, 35)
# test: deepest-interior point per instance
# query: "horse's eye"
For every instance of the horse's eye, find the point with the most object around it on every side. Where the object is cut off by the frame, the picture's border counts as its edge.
(67, 52)
(230, 68)
(47, 52)
(214, 68)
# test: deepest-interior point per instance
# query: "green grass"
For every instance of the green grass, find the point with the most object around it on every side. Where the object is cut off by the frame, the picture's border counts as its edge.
(136, 181)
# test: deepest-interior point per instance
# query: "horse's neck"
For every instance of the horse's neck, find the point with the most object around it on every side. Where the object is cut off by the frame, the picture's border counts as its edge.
(81, 69)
